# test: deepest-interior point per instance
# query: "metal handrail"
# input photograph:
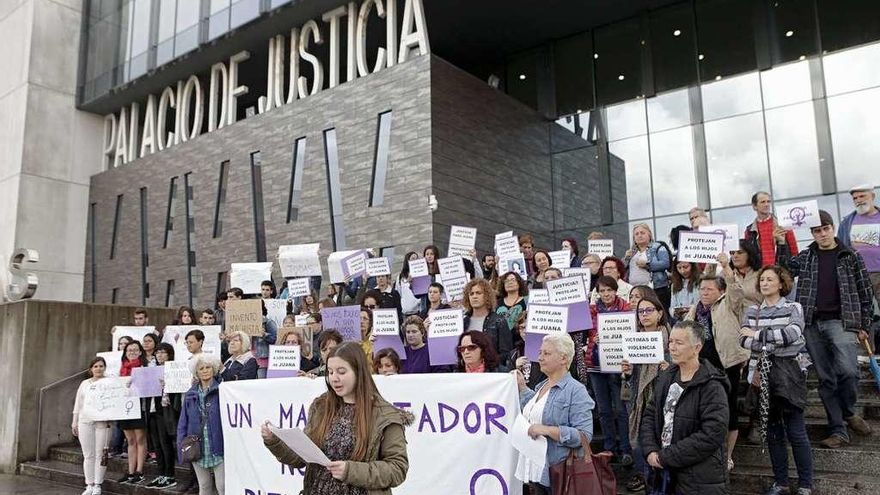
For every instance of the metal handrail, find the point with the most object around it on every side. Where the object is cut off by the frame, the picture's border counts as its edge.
(43, 390)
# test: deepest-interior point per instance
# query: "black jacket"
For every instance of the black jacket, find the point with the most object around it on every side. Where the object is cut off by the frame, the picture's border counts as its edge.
(496, 327)
(696, 457)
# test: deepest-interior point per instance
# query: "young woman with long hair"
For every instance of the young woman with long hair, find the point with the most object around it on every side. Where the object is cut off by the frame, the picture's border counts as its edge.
(361, 433)
(135, 429)
(93, 435)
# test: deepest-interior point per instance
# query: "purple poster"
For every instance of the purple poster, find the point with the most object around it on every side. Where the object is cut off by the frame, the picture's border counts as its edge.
(579, 317)
(147, 381)
(419, 285)
(533, 345)
(389, 342)
(345, 320)
(446, 326)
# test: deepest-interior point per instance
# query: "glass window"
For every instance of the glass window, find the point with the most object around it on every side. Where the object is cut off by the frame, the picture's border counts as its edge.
(786, 84)
(673, 47)
(618, 62)
(718, 23)
(626, 120)
(668, 111)
(664, 226)
(166, 19)
(672, 168)
(139, 29)
(572, 191)
(631, 155)
(737, 159)
(218, 20)
(733, 96)
(851, 70)
(794, 155)
(574, 74)
(522, 78)
(187, 27)
(740, 215)
(845, 23)
(572, 131)
(855, 137)
(792, 30)
(244, 11)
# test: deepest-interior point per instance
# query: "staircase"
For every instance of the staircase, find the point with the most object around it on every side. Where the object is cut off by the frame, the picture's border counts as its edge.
(64, 466)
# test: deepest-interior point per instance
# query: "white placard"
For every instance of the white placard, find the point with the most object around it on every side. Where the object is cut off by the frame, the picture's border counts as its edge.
(452, 268)
(249, 276)
(135, 333)
(643, 347)
(107, 399)
(176, 336)
(418, 268)
(113, 361)
(446, 323)
(298, 287)
(560, 259)
(803, 214)
(602, 248)
(567, 290)
(300, 320)
(299, 260)
(378, 266)
(386, 322)
(700, 247)
(283, 358)
(454, 288)
(584, 273)
(611, 327)
(351, 263)
(539, 296)
(731, 234)
(503, 235)
(178, 377)
(547, 319)
(515, 263)
(462, 240)
(276, 310)
(507, 247)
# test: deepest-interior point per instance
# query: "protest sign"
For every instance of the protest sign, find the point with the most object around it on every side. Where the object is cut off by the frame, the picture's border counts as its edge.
(507, 247)
(178, 378)
(731, 234)
(611, 327)
(135, 333)
(283, 361)
(378, 266)
(300, 320)
(113, 360)
(446, 325)
(601, 247)
(700, 247)
(451, 267)
(146, 381)
(299, 260)
(306, 335)
(515, 263)
(249, 276)
(454, 288)
(503, 235)
(245, 315)
(542, 320)
(462, 240)
(276, 310)
(538, 296)
(346, 264)
(643, 347)
(176, 336)
(420, 285)
(572, 293)
(803, 214)
(108, 399)
(584, 273)
(560, 259)
(461, 429)
(344, 319)
(386, 329)
(421, 278)
(298, 287)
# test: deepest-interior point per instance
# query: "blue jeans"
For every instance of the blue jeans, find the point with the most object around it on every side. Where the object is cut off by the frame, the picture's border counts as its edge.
(787, 420)
(834, 352)
(613, 416)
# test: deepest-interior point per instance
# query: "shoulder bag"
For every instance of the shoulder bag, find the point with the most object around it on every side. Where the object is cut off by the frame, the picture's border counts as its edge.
(587, 475)
(191, 446)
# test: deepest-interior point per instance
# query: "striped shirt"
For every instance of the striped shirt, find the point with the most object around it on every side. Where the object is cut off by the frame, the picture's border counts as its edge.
(779, 328)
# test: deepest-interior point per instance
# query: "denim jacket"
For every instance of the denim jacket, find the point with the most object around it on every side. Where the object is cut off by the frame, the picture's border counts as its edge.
(569, 407)
(658, 264)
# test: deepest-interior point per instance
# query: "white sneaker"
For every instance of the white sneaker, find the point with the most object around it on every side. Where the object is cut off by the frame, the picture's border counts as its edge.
(89, 490)
(96, 490)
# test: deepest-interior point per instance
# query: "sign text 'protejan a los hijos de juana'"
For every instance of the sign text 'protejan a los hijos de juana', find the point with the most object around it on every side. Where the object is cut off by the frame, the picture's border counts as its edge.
(458, 443)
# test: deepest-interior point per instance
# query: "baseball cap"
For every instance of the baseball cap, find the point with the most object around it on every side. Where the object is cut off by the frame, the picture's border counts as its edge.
(861, 187)
(825, 218)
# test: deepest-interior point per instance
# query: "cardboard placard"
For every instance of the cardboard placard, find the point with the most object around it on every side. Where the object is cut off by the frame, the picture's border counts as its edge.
(176, 336)
(542, 320)
(108, 399)
(245, 315)
(538, 296)
(298, 287)
(386, 329)
(378, 266)
(346, 264)
(611, 327)
(507, 247)
(146, 381)
(803, 214)
(443, 332)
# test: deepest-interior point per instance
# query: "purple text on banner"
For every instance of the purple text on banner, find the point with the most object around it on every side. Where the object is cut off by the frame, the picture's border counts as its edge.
(281, 373)
(442, 350)
(533, 345)
(345, 320)
(146, 381)
(389, 342)
(579, 317)
(419, 285)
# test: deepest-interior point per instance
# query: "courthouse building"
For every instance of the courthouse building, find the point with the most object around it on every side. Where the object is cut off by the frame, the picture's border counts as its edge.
(148, 144)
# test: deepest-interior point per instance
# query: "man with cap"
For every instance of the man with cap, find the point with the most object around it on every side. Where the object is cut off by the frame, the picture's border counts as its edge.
(836, 294)
(860, 231)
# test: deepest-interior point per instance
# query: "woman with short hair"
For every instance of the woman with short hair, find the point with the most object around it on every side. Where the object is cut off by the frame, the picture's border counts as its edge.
(614, 268)
(241, 365)
(476, 353)
(200, 416)
(479, 305)
(559, 409)
(418, 358)
(93, 435)
(386, 362)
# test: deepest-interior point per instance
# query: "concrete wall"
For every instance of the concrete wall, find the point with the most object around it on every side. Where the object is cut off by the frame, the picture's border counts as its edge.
(48, 149)
(42, 342)
(402, 221)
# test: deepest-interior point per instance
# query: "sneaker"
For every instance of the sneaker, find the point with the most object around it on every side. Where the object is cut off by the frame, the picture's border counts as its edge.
(125, 479)
(778, 490)
(636, 484)
(859, 426)
(88, 490)
(169, 482)
(96, 490)
(626, 460)
(136, 479)
(157, 482)
(834, 442)
(123, 455)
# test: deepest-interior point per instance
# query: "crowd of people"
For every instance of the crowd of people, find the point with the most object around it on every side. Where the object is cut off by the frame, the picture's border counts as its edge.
(672, 425)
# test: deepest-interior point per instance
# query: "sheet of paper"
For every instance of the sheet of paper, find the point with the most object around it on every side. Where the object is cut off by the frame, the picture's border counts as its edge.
(249, 276)
(418, 268)
(300, 443)
(378, 266)
(731, 234)
(506, 247)
(643, 347)
(299, 260)
(534, 450)
(298, 287)
(804, 214)
(700, 247)
(560, 259)
(601, 247)
(461, 240)
(178, 378)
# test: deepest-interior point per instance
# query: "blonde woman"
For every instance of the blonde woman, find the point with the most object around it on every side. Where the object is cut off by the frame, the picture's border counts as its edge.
(648, 262)
(241, 365)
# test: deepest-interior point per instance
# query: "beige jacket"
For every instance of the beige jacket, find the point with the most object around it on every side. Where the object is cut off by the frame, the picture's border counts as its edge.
(726, 318)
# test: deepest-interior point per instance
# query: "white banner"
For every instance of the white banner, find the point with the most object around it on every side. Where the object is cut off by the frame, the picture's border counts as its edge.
(460, 430)
(176, 336)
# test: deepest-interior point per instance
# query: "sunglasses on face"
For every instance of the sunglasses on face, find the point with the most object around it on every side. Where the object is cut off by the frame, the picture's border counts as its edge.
(469, 348)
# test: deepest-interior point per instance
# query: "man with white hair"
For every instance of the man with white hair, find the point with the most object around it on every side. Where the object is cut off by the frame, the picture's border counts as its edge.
(860, 231)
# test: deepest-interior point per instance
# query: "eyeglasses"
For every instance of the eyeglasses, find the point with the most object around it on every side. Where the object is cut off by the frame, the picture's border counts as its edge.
(469, 348)
(646, 311)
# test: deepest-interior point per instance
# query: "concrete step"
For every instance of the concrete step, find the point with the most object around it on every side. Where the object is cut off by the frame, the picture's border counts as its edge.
(72, 453)
(817, 430)
(71, 474)
(755, 481)
(845, 460)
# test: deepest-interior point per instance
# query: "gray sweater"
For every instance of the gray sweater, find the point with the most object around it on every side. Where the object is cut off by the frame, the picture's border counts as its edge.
(779, 328)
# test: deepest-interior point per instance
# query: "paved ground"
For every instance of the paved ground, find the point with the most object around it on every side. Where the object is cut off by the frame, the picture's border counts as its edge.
(22, 485)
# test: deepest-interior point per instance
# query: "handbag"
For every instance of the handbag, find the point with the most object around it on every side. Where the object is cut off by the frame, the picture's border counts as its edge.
(587, 475)
(659, 482)
(191, 446)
